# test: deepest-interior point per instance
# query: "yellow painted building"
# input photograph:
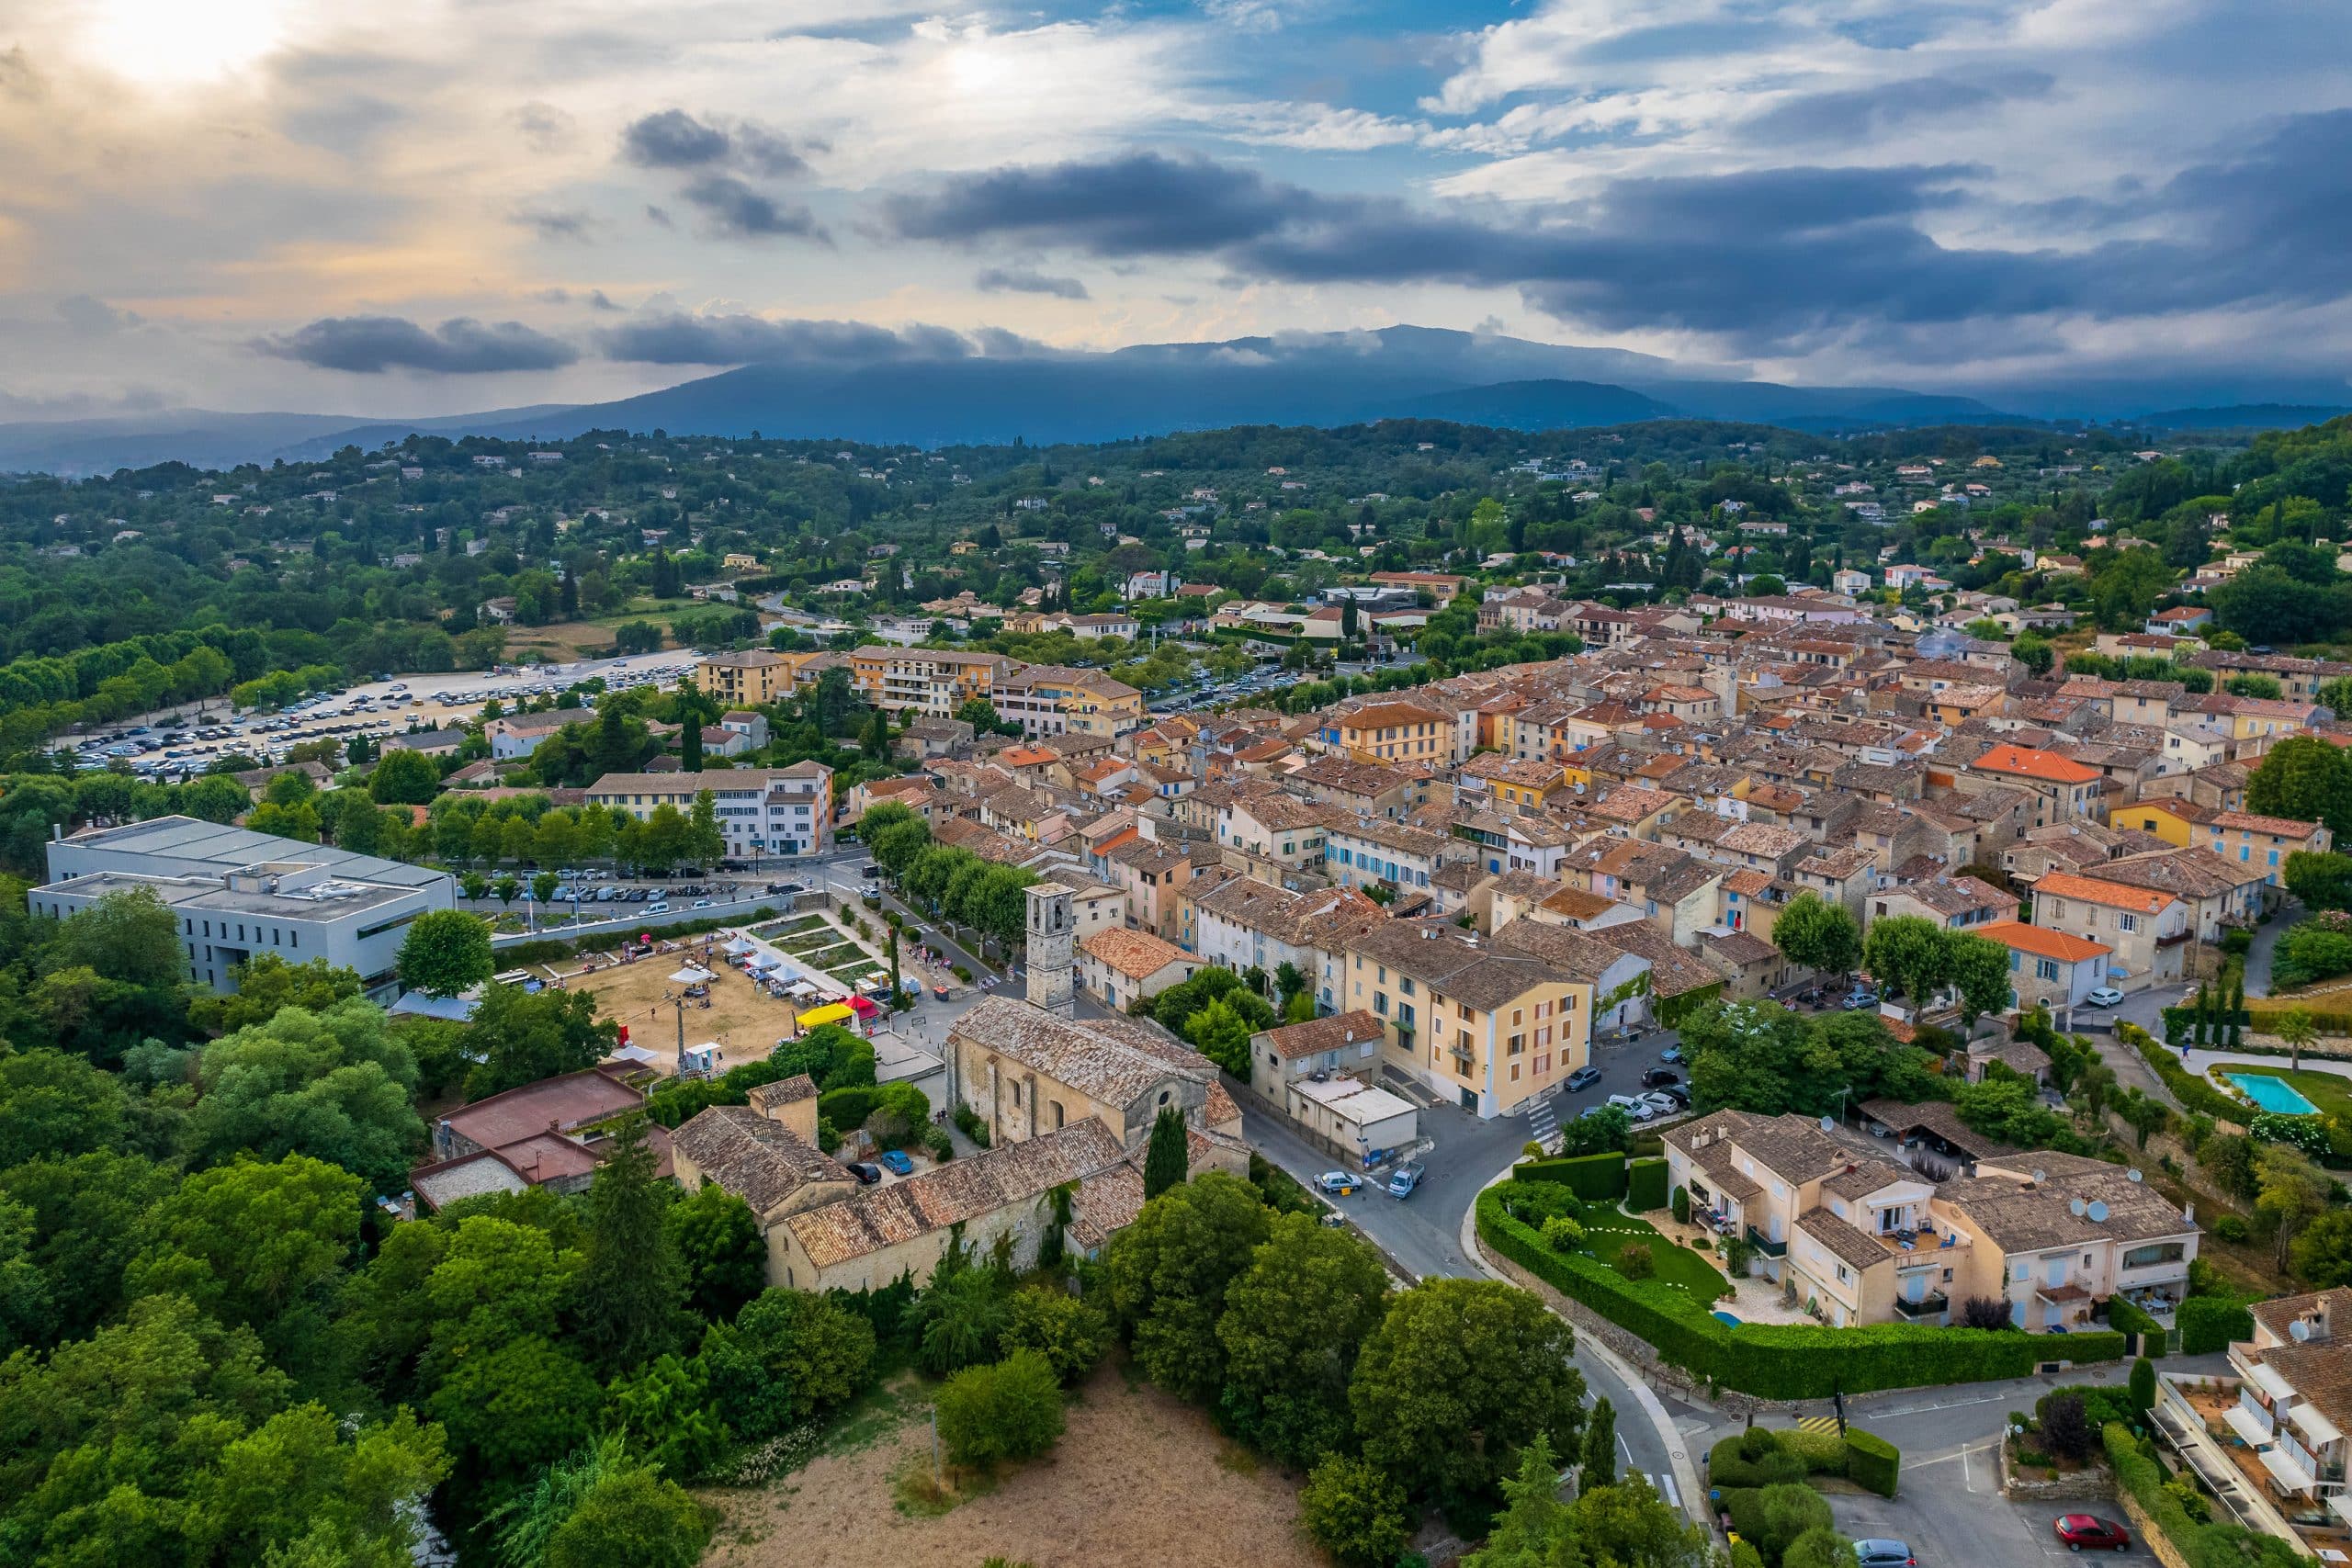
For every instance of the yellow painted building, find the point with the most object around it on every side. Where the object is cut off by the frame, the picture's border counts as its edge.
(748, 680)
(2174, 821)
(1394, 732)
(1485, 1028)
(927, 679)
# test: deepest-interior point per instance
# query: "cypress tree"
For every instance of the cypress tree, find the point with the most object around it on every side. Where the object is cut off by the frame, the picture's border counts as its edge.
(1165, 1160)
(2237, 1006)
(632, 1289)
(1600, 1454)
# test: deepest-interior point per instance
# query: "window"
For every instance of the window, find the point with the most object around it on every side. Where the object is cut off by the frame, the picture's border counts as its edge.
(2127, 922)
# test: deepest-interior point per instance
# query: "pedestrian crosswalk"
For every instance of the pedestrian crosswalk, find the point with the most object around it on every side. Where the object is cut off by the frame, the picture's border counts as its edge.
(1667, 1489)
(1543, 1124)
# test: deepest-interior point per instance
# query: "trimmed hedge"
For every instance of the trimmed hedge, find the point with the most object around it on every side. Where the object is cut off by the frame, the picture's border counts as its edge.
(2126, 1319)
(1872, 1463)
(1596, 1179)
(2212, 1323)
(1781, 1361)
(2216, 1545)
(2193, 1092)
(1645, 1185)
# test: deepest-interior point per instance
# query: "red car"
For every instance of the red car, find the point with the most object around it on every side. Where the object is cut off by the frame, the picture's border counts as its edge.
(2088, 1531)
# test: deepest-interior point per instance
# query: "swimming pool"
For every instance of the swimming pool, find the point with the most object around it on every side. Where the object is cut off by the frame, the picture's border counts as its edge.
(2273, 1094)
(1724, 1317)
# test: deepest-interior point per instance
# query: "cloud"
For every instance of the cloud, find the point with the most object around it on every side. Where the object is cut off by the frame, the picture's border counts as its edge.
(462, 346)
(1139, 204)
(1851, 114)
(679, 338)
(599, 301)
(738, 211)
(575, 224)
(1022, 280)
(89, 316)
(672, 139)
(545, 127)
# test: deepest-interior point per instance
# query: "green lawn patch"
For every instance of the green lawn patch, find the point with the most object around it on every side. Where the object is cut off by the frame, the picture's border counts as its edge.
(1608, 1233)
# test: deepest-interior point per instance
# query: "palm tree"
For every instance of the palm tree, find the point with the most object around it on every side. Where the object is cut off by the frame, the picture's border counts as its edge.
(2296, 1029)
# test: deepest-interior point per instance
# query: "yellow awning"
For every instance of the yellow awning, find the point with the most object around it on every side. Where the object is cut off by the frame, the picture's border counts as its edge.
(836, 1013)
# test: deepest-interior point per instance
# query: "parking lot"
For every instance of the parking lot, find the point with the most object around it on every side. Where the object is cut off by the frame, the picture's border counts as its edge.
(168, 747)
(1960, 1521)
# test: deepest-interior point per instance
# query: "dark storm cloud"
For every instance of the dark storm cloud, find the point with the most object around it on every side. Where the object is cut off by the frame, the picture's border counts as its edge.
(1022, 280)
(1866, 111)
(672, 140)
(557, 224)
(740, 211)
(1141, 204)
(676, 338)
(1771, 259)
(370, 345)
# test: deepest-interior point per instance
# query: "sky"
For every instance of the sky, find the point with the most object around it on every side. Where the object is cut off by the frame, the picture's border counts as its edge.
(455, 204)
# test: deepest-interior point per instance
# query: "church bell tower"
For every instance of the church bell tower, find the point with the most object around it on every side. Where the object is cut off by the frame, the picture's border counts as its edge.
(1050, 939)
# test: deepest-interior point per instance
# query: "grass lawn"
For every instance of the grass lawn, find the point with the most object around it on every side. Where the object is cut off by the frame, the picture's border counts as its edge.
(2332, 1092)
(1607, 1233)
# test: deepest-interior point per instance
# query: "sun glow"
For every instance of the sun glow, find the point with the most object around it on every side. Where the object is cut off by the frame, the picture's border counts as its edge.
(178, 42)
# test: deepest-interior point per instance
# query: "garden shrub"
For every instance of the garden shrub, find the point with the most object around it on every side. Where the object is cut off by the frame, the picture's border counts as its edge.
(2196, 1095)
(1011, 1410)
(1680, 1203)
(1633, 1261)
(1562, 1234)
(1754, 1458)
(1645, 1185)
(2127, 1318)
(2231, 1227)
(2201, 1543)
(1872, 1463)
(1773, 1516)
(2212, 1323)
(1771, 1360)
(969, 1123)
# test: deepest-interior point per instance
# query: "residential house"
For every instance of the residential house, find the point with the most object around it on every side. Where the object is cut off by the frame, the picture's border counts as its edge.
(762, 811)
(1117, 966)
(1477, 1023)
(2049, 969)
(2146, 930)
(1322, 1075)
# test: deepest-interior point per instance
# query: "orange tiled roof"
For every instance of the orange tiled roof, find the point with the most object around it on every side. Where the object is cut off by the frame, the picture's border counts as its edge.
(2029, 764)
(2043, 943)
(2112, 894)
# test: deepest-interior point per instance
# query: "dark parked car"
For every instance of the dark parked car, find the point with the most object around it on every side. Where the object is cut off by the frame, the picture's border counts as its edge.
(1583, 1079)
(2089, 1532)
(1670, 1054)
(1880, 1553)
(1658, 1078)
(865, 1171)
(1678, 1093)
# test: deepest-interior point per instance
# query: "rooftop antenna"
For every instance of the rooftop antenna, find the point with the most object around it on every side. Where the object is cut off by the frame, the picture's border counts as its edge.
(2097, 1213)
(2300, 1331)
(2075, 1207)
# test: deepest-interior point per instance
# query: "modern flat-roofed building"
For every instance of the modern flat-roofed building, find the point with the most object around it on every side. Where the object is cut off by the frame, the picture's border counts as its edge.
(236, 893)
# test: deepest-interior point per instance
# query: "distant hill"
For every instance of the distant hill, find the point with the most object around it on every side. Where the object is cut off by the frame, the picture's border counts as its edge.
(1537, 405)
(2242, 416)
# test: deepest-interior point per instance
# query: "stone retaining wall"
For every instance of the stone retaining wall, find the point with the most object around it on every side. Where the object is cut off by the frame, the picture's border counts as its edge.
(2084, 1485)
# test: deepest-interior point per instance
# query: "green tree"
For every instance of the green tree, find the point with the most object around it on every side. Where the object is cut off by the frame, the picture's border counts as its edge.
(720, 1247)
(2304, 779)
(633, 1286)
(1169, 1272)
(1820, 935)
(1356, 1512)
(2321, 881)
(633, 1520)
(2143, 1388)
(1069, 1331)
(1627, 1522)
(1979, 970)
(405, 778)
(1294, 1323)
(1166, 1160)
(1532, 1532)
(2295, 1031)
(250, 1242)
(2289, 1192)
(1219, 1033)
(525, 1036)
(446, 952)
(2321, 1254)
(787, 1358)
(1600, 1452)
(131, 937)
(267, 983)
(333, 1085)
(1455, 1355)
(2034, 653)
(1011, 1410)
(1909, 953)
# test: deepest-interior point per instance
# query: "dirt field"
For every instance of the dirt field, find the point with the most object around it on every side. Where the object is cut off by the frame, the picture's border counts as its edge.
(744, 1023)
(1137, 1479)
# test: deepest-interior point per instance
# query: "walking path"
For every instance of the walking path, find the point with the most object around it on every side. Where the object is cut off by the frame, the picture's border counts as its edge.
(2197, 1060)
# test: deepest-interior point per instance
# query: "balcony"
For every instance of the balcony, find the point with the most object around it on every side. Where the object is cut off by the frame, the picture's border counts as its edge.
(1765, 1244)
(1933, 1305)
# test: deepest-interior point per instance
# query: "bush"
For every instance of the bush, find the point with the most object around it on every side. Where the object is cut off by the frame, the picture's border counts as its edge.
(1680, 1203)
(2127, 1318)
(960, 972)
(1755, 1457)
(1872, 1463)
(2231, 1227)
(1011, 1410)
(2211, 1323)
(1645, 1185)
(1773, 1362)
(1070, 1332)
(1562, 1234)
(1820, 1549)
(2199, 1542)
(940, 1146)
(1355, 1512)
(1596, 1179)
(2066, 1430)
(969, 1123)
(2196, 1095)
(2143, 1385)
(1773, 1516)
(1634, 1262)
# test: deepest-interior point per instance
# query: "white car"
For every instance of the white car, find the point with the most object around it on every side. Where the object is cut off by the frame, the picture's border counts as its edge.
(2105, 997)
(1661, 1104)
(1639, 1108)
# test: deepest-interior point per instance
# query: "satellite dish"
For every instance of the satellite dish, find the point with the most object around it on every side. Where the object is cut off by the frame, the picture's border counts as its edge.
(2134, 1174)
(1828, 1124)
(2075, 1207)
(2098, 1212)
(2299, 1331)
(2038, 1177)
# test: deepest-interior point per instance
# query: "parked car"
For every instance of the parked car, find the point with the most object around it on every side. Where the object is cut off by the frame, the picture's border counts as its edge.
(865, 1171)
(702, 903)
(658, 908)
(898, 1161)
(1639, 1109)
(1339, 1183)
(2089, 1532)
(2104, 996)
(1860, 996)
(1403, 1180)
(1671, 1053)
(1661, 1103)
(1880, 1553)
(1678, 1093)
(1583, 1079)
(1658, 1078)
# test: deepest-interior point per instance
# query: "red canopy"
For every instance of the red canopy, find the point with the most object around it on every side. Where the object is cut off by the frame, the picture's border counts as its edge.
(863, 1007)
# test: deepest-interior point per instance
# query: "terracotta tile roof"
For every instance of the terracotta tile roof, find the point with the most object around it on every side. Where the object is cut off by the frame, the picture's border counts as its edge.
(2112, 894)
(1317, 1035)
(2040, 942)
(1137, 955)
(2027, 763)
(1110, 1060)
(2284, 826)
(758, 1160)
